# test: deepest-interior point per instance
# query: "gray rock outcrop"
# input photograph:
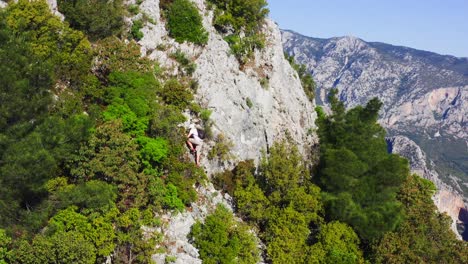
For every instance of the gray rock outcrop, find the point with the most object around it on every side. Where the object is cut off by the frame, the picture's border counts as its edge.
(278, 107)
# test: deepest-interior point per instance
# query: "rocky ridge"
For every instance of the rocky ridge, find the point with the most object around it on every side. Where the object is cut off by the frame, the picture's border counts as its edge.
(424, 94)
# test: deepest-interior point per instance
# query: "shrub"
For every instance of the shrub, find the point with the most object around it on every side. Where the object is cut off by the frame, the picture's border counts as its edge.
(4, 243)
(185, 23)
(205, 115)
(171, 199)
(62, 247)
(248, 102)
(98, 18)
(222, 148)
(186, 66)
(176, 94)
(45, 38)
(264, 83)
(136, 29)
(131, 123)
(133, 9)
(113, 54)
(234, 17)
(221, 240)
(152, 151)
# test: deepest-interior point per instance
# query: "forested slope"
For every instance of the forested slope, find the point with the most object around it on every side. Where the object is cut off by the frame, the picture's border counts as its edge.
(93, 154)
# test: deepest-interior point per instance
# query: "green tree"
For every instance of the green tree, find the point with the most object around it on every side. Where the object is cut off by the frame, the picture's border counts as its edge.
(185, 23)
(114, 55)
(336, 243)
(113, 157)
(89, 197)
(4, 244)
(221, 240)
(176, 93)
(62, 247)
(286, 234)
(358, 175)
(98, 18)
(49, 40)
(279, 199)
(425, 235)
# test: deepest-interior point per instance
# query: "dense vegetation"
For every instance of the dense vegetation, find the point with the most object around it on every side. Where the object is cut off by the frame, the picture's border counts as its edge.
(90, 147)
(281, 201)
(91, 151)
(369, 207)
(184, 22)
(241, 21)
(424, 236)
(98, 18)
(223, 240)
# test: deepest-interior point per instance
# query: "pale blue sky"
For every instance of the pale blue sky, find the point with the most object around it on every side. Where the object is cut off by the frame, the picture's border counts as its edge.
(440, 26)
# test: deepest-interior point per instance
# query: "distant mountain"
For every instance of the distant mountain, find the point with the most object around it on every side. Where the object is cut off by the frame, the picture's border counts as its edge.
(424, 94)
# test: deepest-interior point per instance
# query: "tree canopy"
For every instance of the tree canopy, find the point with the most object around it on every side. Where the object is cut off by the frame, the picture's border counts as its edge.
(359, 177)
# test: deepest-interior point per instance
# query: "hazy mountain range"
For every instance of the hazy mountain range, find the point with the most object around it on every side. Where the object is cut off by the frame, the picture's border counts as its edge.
(424, 94)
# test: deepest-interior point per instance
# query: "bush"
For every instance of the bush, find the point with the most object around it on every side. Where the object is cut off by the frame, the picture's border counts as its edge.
(221, 240)
(133, 9)
(236, 17)
(4, 243)
(249, 103)
(114, 55)
(171, 199)
(222, 149)
(136, 29)
(62, 247)
(185, 23)
(98, 18)
(186, 66)
(152, 151)
(175, 93)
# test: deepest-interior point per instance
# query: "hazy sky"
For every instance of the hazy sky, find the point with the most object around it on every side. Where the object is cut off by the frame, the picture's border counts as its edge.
(435, 25)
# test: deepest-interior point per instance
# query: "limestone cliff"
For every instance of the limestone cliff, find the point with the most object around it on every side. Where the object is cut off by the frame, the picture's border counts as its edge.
(278, 106)
(252, 106)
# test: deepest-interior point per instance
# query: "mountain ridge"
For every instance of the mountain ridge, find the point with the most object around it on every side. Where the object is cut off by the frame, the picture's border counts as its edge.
(377, 43)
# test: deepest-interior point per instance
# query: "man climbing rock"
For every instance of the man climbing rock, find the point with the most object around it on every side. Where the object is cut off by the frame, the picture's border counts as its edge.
(194, 142)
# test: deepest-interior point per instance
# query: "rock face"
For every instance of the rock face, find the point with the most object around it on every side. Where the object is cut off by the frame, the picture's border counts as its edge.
(446, 198)
(250, 115)
(424, 94)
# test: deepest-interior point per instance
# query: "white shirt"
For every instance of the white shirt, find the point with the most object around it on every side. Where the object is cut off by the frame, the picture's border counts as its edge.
(194, 132)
